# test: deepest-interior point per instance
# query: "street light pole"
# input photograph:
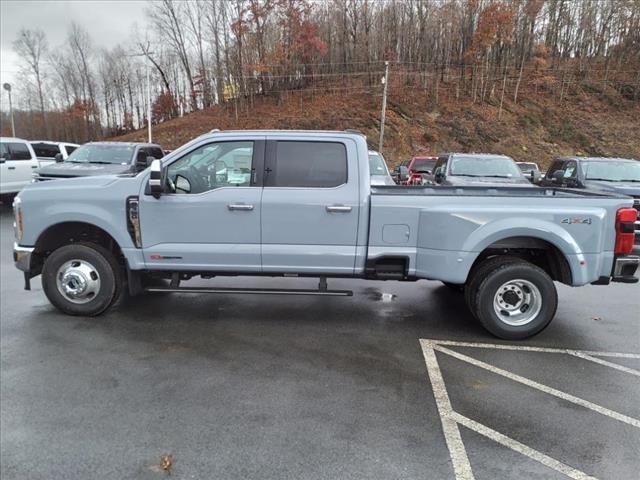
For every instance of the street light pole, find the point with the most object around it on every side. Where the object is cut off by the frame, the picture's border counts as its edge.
(7, 87)
(385, 81)
(146, 54)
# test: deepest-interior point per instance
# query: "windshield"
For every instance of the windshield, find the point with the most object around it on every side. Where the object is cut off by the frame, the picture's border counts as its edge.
(527, 167)
(423, 165)
(117, 154)
(612, 171)
(501, 167)
(377, 165)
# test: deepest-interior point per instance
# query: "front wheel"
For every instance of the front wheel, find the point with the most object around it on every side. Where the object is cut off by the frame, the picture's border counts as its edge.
(81, 279)
(514, 300)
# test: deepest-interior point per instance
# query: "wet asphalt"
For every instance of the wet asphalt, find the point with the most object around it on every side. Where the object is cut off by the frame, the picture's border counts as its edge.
(272, 387)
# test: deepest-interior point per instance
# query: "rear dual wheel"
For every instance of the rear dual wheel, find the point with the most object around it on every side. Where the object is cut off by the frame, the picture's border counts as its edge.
(511, 297)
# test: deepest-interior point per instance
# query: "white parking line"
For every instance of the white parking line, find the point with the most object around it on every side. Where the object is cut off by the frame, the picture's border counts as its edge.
(450, 418)
(520, 448)
(586, 356)
(543, 388)
(461, 465)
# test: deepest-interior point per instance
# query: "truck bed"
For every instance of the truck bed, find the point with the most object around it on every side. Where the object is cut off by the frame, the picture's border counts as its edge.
(481, 191)
(442, 230)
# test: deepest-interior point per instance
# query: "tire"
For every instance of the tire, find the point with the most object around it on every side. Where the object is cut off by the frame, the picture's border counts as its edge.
(478, 273)
(514, 300)
(82, 262)
(454, 287)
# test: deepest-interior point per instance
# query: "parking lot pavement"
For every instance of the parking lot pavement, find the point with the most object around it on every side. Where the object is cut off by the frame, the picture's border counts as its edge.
(293, 387)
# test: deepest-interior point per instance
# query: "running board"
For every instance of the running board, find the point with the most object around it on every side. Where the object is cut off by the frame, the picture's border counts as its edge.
(259, 291)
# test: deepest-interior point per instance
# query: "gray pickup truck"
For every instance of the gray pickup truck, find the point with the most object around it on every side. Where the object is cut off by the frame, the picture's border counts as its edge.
(296, 203)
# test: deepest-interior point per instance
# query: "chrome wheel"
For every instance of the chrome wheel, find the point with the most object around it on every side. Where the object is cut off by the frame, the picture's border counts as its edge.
(78, 281)
(517, 302)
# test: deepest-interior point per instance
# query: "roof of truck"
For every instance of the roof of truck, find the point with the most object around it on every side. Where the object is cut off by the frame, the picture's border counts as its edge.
(131, 144)
(282, 131)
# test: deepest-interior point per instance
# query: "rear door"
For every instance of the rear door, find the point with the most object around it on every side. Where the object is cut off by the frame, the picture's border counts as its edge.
(18, 165)
(310, 206)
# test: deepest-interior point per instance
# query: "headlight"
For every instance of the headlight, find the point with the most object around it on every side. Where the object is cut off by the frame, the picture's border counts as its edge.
(17, 215)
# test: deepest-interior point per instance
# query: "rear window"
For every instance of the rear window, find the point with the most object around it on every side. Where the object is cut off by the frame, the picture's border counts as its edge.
(423, 165)
(45, 150)
(310, 164)
(19, 151)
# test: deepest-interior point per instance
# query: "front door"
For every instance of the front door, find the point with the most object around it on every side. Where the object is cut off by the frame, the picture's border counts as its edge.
(209, 217)
(310, 206)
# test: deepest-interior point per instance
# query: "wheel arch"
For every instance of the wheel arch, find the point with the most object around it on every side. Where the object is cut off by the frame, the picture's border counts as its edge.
(534, 249)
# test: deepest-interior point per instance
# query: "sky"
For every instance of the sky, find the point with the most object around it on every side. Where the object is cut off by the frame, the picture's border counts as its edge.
(109, 22)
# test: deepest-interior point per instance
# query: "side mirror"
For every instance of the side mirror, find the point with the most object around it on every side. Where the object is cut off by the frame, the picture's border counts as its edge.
(535, 176)
(183, 184)
(439, 176)
(58, 158)
(143, 161)
(558, 176)
(403, 173)
(155, 178)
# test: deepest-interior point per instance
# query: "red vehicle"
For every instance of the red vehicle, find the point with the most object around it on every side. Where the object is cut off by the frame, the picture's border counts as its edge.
(420, 169)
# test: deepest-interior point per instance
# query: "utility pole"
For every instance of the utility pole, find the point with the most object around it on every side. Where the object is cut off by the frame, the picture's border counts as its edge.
(7, 87)
(385, 82)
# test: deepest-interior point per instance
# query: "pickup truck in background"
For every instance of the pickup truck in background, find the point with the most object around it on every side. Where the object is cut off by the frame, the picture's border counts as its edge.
(420, 169)
(306, 208)
(378, 170)
(52, 152)
(460, 169)
(101, 158)
(612, 175)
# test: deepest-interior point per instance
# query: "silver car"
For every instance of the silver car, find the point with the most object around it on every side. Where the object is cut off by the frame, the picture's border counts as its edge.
(378, 171)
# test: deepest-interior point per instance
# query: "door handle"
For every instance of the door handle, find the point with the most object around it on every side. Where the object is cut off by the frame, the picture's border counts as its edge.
(338, 208)
(240, 206)
(11, 168)
(34, 166)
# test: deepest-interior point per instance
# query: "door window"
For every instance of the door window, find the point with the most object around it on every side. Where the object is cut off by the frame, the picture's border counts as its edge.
(4, 151)
(70, 149)
(19, 151)
(212, 166)
(309, 164)
(46, 150)
(570, 169)
(557, 165)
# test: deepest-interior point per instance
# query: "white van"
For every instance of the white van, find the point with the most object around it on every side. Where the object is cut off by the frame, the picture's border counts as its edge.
(17, 163)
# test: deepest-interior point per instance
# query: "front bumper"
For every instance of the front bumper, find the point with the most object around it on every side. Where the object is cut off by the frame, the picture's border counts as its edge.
(624, 269)
(22, 257)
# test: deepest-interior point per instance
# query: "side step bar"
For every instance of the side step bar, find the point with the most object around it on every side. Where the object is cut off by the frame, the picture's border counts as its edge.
(260, 291)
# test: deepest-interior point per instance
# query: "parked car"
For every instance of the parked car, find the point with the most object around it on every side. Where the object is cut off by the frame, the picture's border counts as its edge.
(102, 158)
(378, 171)
(477, 169)
(52, 152)
(17, 163)
(614, 175)
(308, 209)
(420, 169)
(400, 173)
(531, 170)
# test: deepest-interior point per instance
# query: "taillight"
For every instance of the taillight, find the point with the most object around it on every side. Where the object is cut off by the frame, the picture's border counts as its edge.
(625, 230)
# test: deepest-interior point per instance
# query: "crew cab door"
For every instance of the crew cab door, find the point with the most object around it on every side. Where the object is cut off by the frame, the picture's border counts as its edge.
(310, 206)
(208, 219)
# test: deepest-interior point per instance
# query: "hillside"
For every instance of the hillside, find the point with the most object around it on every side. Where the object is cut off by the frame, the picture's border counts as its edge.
(538, 127)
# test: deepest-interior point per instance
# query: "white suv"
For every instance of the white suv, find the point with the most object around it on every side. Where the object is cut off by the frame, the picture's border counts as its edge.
(17, 163)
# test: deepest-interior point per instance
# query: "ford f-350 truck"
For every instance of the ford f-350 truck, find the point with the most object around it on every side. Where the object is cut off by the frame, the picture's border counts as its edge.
(300, 203)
